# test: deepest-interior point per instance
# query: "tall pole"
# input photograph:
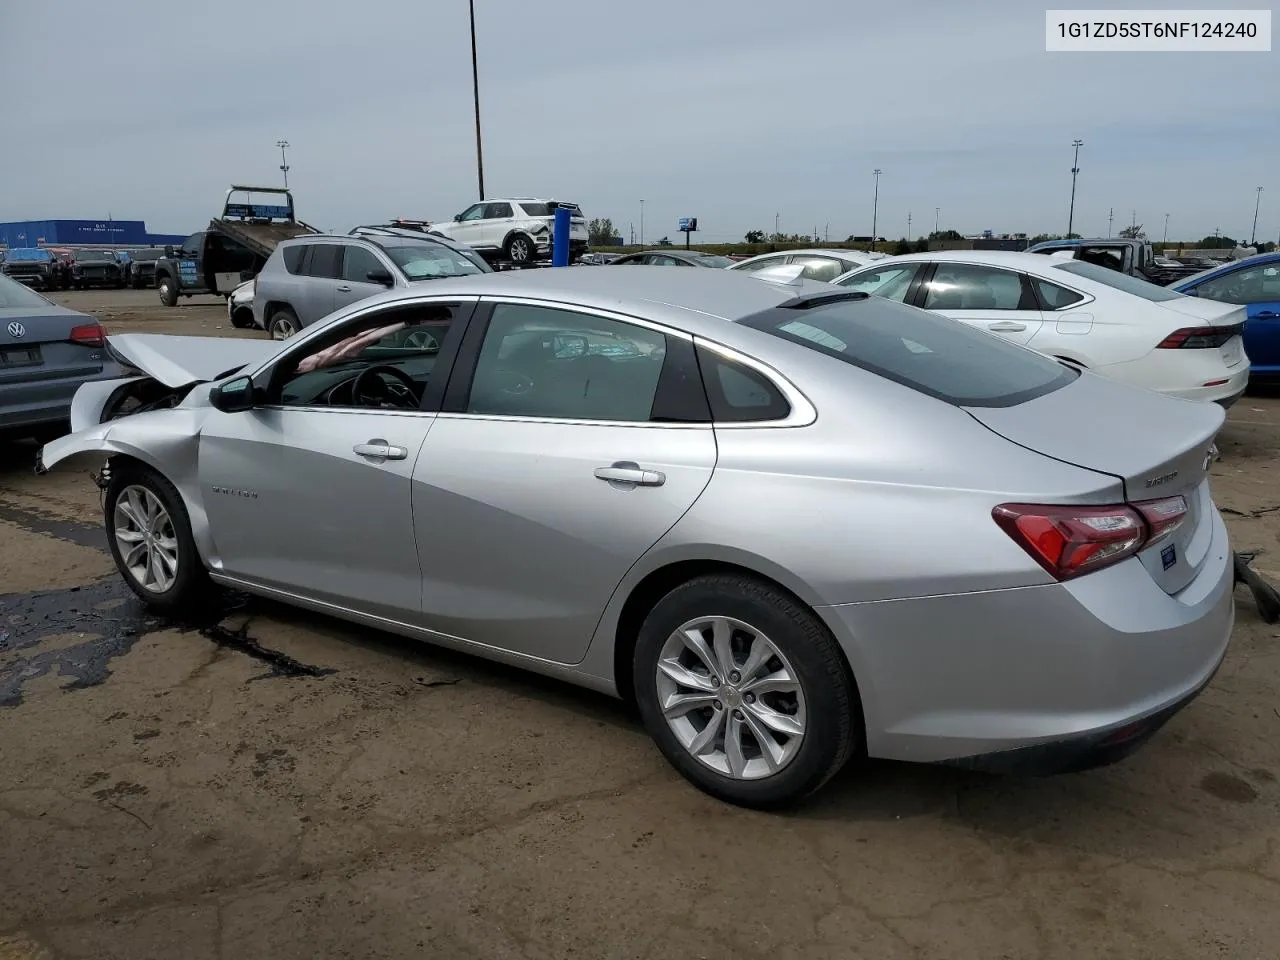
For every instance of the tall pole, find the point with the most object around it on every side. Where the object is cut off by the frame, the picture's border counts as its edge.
(908, 224)
(1111, 215)
(1253, 237)
(284, 160)
(777, 217)
(642, 223)
(936, 212)
(1166, 228)
(1075, 171)
(875, 207)
(475, 94)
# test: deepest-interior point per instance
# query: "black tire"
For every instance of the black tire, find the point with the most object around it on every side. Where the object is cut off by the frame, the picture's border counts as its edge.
(283, 324)
(833, 722)
(191, 589)
(520, 248)
(168, 288)
(242, 319)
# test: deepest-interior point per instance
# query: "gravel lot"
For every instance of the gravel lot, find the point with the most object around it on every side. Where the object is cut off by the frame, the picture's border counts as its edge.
(281, 785)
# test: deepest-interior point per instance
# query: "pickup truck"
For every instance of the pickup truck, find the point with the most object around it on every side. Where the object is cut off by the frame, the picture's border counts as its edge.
(1132, 257)
(34, 266)
(232, 249)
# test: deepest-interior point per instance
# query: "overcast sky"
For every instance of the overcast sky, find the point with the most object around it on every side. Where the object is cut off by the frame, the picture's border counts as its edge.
(732, 111)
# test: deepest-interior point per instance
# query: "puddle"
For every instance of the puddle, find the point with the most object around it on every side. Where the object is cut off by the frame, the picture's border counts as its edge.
(37, 521)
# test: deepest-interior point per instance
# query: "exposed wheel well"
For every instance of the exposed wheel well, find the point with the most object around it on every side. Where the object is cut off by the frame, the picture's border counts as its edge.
(656, 586)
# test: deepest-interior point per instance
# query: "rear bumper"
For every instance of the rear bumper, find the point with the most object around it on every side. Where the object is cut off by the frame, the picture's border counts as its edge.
(1183, 374)
(42, 403)
(1055, 671)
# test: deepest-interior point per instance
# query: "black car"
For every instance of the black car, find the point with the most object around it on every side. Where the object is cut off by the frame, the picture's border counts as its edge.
(141, 269)
(673, 258)
(34, 266)
(96, 268)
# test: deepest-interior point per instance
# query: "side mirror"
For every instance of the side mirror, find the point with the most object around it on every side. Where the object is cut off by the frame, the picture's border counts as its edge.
(233, 396)
(457, 218)
(381, 276)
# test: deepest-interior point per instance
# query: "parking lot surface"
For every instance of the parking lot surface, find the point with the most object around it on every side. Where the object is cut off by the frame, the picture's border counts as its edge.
(277, 784)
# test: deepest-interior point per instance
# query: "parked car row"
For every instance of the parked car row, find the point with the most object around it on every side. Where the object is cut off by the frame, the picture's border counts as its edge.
(55, 268)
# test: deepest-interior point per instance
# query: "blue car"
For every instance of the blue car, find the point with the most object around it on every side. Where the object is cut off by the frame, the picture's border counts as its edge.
(1255, 283)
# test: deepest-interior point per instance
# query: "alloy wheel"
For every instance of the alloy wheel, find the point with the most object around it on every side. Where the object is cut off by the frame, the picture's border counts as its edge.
(731, 697)
(146, 539)
(282, 328)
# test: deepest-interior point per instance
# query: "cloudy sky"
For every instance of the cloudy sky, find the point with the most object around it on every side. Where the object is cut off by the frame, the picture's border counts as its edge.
(734, 111)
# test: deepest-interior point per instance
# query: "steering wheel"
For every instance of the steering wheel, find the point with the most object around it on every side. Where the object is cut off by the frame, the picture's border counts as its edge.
(383, 384)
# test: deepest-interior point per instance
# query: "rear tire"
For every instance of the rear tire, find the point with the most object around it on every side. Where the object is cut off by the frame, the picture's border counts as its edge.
(242, 319)
(283, 324)
(149, 534)
(168, 291)
(520, 249)
(808, 713)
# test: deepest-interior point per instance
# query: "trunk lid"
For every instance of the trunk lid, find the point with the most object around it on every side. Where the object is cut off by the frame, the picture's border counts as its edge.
(1158, 446)
(1212, 312)
(177, 360)
(35, 345)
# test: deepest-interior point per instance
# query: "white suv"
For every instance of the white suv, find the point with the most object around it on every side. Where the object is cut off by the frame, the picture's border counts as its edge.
(518, 229)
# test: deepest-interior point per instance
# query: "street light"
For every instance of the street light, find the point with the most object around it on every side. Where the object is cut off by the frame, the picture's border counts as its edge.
(642, 223)
(1253, 237)
(1166, 228)
(936, 212)
(284, 161)
(875, 207)
(475, 94)
(1075, 170)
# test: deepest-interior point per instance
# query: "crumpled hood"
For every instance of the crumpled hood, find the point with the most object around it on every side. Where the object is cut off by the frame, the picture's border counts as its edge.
(177, 361)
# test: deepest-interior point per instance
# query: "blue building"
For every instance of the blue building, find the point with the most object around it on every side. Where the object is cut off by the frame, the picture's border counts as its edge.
(83, 233)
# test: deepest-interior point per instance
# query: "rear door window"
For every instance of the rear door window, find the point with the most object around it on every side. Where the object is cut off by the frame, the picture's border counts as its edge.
(293, 256)
(967, 286)
(927, 352)
(326, 261)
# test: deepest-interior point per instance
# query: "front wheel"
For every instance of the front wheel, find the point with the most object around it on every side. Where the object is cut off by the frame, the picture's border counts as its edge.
(149, 534)
(168, 291)
(744, 691)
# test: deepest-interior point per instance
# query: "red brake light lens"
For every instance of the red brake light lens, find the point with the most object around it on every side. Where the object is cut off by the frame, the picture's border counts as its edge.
(1193, 338)
(1069, 541)
(87, 335)
(1162, 516)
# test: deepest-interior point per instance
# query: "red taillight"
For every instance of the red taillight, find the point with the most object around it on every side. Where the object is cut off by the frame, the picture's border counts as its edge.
(1070, 541)
(87, 335)
(1201, 338)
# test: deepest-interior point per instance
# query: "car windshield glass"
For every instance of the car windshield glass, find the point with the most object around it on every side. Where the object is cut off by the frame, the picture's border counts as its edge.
(14, 294)
(429, 261)
(712, 260)
(93, 256)
(1117, 280)
(929, 353)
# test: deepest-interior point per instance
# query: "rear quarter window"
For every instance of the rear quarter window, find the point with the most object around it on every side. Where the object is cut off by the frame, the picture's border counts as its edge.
(926, 352)
(292, 257)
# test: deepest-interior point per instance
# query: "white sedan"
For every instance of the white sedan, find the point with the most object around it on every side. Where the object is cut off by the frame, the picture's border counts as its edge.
(1116, 325)
(816, 264)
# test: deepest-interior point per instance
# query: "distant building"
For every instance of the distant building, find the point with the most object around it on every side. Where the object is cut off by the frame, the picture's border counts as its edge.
(83, 233)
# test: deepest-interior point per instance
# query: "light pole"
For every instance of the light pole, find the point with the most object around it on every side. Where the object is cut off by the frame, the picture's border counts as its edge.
(642, 223)
(1253, 237)
(1075, 170)
(875, 207)
(1111, 215)
(1166, 228)
(475, 95)
(908, 224)
(936, 212)
(284, 160)
(777, 217)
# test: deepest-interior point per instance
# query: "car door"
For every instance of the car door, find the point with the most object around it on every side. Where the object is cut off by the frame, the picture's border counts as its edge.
(1258, 288)
(355, 285)
(990, 298)
(469, 226)
(496, 223)
(317, 294)
(571, 441)
(309, 492)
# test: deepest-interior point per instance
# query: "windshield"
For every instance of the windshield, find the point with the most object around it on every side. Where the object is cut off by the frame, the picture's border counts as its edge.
(1118, 281)
(93, 255)
(14, 294)
(712, 260)
(934, 355)
(430, 261)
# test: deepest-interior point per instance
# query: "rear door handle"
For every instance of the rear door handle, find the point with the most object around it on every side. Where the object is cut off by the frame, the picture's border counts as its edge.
(627, 473)
(380, 450)
(1006, 326)
(344, 289)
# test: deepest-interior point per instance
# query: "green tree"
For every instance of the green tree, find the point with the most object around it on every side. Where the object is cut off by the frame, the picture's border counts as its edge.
(945, 235)
(901, 246)
(600, 232)
(1218, 243)
(754, 236)
(1134, 232)
(921, 245)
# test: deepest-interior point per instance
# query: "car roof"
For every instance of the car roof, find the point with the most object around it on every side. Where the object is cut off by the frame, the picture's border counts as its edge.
(696, 301)
(1003, 258)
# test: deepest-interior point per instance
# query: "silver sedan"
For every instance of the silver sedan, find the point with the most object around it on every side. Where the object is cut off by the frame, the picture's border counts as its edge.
(795, 524)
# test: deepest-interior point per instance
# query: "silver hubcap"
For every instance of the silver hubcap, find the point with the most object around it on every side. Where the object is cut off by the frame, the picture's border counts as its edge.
(519, 250)
(282, 328)
(146, 538)
(731, 698)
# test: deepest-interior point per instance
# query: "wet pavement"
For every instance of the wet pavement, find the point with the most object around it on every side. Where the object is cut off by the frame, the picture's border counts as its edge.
(265, 782)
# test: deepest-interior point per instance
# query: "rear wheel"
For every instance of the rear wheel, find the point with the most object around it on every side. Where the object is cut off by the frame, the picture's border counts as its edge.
(744, 691)
(149, 534)
(242, 319)
(168, 291)
(520, 249)
(283, 324)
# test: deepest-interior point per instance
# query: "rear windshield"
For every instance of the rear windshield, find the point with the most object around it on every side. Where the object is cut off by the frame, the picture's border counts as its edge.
(927, 352)
(14, 294)
(547, 209)
(1120, 281)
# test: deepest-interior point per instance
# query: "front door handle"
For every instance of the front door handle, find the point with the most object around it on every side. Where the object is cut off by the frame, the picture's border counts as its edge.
(627, 473)
(1006, 326)
(380, 450)
(1266, 315)
(344, 289)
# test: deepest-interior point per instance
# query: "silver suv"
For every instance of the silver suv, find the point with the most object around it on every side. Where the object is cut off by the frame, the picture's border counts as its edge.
(518, 229)
(311, 277)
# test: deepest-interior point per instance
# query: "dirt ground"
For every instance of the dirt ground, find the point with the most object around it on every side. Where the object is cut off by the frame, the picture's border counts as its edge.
(280, 785)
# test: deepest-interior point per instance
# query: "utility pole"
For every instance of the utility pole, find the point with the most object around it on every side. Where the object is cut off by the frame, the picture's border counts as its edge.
(908, 224)
(642, 223)
(875, 207)
(1075, 170)
(1133, 222)
(475, 95)
(284, 160)
(826, 233)
(936, 212)
(1110, 216)
(776, 218)
(1253, 237)
(1166, 228)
